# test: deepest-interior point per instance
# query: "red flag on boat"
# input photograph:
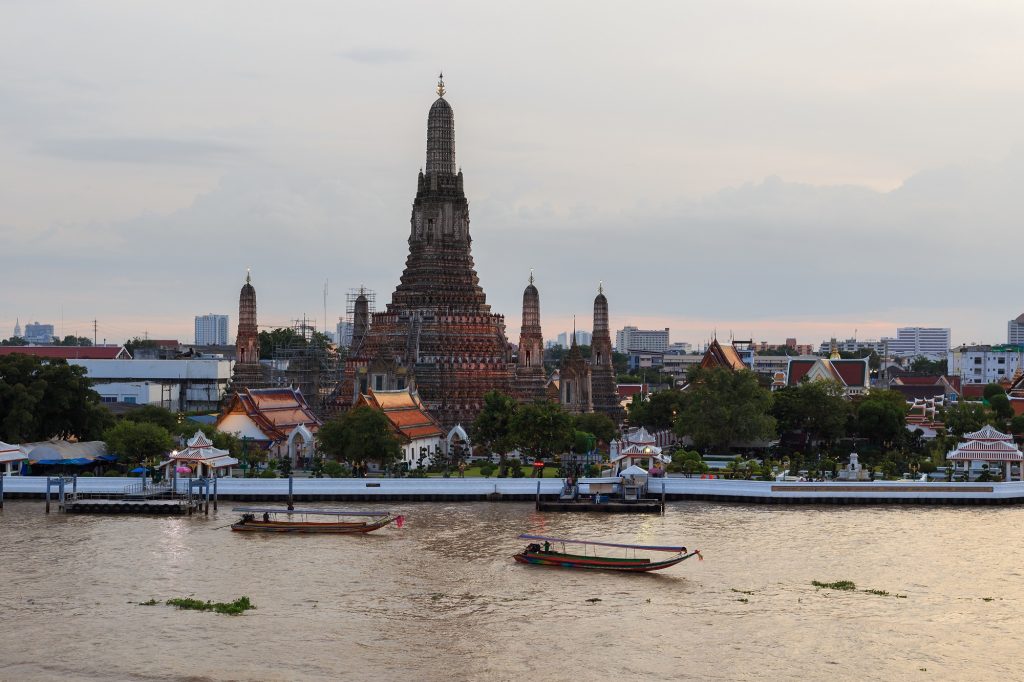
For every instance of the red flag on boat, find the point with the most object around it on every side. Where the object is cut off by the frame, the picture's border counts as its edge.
(400, 521)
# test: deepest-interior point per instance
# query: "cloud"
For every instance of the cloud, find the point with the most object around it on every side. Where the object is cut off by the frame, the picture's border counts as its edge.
(144, 150)
(378, 55)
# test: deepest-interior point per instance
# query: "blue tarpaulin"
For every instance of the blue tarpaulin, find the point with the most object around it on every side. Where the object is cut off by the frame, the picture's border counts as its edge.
(78, 461)
(139, 470)
(106, 458)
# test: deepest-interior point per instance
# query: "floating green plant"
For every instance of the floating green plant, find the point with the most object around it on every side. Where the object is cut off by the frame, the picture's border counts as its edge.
(741, 591)
(151, 602)
(880, 593)
(743, 600)
(845, 585)
(235, 608)
(594, 600)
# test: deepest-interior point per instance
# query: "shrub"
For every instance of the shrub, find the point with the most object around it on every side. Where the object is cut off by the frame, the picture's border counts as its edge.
(334, 469)
(268, 473)
(86, 473)
(112, 472)
(486, 470)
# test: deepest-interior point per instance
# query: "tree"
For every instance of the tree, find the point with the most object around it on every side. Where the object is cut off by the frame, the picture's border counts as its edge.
(992, 390)
(286, 337)
(656, 412)
(1017, 424)
(154, 414)
(965, 416)
(541, 429)
(882, 417)
(817, 408)
(923, 365)
(137, 442)
(1000, 404)
(601, 425)
(722, 407)
(45, 398)
(492, 428)
(359, 435)
(134, 343)
(14, 341)
(71, 340)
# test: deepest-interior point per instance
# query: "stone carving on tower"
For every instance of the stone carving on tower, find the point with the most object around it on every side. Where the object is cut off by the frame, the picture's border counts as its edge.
(438, 334)
(248, 372)
(575, 386)
(530, 378)
(606, 397)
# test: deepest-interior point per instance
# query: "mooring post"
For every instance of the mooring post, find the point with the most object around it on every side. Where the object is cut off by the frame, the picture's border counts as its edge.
(662, 496)
(47, 494)
(291, 503)
(2, 477)
(206, 489)
(60, 492)
(215, 492)
(74, 485)
(538, 495)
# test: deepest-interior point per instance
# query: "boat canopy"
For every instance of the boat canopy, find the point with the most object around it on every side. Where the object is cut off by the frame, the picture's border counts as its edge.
(602, 544)
(325, 512)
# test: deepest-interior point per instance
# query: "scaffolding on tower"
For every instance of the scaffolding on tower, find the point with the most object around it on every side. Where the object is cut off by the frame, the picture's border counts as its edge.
(309, 362)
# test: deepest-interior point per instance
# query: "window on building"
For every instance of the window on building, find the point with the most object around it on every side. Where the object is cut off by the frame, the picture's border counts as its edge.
(108, 398)
(378, 383)
(130, 399)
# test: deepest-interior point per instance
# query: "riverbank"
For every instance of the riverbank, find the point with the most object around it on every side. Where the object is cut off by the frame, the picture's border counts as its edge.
(524, 489)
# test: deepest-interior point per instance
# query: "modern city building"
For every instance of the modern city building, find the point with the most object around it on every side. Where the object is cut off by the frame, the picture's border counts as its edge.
(630, 338)
(1015, 330)
(911, 342)
(211, 330)
(852, 346)
(343, 334)
(982, 364)
(680, 347)
(37, 333)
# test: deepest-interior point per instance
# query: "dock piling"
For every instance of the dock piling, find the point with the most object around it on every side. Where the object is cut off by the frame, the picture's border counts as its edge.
(206, 492)
(215, 493)
(2, 477)
(291, 503)
(663, 497)
(538, 495)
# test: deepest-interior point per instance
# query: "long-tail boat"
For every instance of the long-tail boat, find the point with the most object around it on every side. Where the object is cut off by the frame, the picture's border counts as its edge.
(260, 520)
(546, 556)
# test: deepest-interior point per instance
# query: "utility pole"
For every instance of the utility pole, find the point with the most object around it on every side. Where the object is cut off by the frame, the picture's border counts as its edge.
(95, 335)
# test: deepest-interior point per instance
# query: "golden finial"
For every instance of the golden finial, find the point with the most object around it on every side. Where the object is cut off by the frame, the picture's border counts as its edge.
(440, 84)
(600, 286)
(248, 277)
(531, 275)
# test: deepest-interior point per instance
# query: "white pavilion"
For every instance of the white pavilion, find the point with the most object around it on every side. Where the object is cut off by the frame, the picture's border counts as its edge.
(11, 459)
(990, 446)
(199, 458)
(638, 449)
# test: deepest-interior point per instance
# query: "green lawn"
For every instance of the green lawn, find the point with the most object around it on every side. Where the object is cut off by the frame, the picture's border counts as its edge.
(474, 472)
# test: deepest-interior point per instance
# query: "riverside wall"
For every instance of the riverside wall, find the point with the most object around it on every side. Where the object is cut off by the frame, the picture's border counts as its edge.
(523, 489)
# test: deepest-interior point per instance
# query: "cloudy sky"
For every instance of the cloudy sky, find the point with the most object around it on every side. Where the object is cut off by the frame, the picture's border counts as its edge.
(792, 168)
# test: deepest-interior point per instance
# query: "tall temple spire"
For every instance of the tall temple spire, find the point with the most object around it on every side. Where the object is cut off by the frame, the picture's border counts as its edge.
(529, 371)
(605, 395)
(247, 372)
(441, 135)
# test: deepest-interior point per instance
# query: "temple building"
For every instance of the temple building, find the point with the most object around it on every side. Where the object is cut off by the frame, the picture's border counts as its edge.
(575, 381)
(277, 420)
(530, 378)
(605, 396)
(852, 374)
(248, 372)
(438, 335)
(420, 435)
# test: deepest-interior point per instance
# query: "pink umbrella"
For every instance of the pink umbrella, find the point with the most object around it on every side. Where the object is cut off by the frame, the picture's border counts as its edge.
(183, 470)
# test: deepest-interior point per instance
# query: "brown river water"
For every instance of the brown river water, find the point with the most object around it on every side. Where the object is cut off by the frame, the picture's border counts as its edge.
(442, 599)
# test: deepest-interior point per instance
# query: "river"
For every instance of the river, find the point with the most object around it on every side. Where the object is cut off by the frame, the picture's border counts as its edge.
(442, 599)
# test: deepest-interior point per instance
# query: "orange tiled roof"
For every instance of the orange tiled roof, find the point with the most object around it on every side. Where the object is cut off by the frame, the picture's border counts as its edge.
(409, 419)
(275, 411)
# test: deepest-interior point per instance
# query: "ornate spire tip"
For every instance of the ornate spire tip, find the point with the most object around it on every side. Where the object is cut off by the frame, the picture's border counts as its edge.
(531, 275)
(248, 275)
(440, 84)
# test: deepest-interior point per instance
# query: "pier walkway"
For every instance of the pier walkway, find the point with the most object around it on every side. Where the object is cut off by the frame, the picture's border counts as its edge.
(525, 489)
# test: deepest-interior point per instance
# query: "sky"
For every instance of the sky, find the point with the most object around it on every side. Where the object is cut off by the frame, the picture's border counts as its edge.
(764, 170)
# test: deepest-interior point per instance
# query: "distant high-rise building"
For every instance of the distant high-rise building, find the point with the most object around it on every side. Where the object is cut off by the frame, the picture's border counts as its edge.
(40, 334)
(17, 327)
(1015, 330)
(211, 330)
(911, 342)
(563, 340)
(343, 334)
(584, 338)
(631, 338)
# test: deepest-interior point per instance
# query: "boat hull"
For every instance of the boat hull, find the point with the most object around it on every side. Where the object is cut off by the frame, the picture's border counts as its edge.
(596, 563)
(309, 527)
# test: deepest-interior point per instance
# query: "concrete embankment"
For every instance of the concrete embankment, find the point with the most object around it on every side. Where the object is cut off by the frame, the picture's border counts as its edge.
(524, 489)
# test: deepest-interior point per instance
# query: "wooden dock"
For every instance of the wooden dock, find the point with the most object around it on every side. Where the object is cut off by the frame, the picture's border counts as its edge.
(120, 506)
